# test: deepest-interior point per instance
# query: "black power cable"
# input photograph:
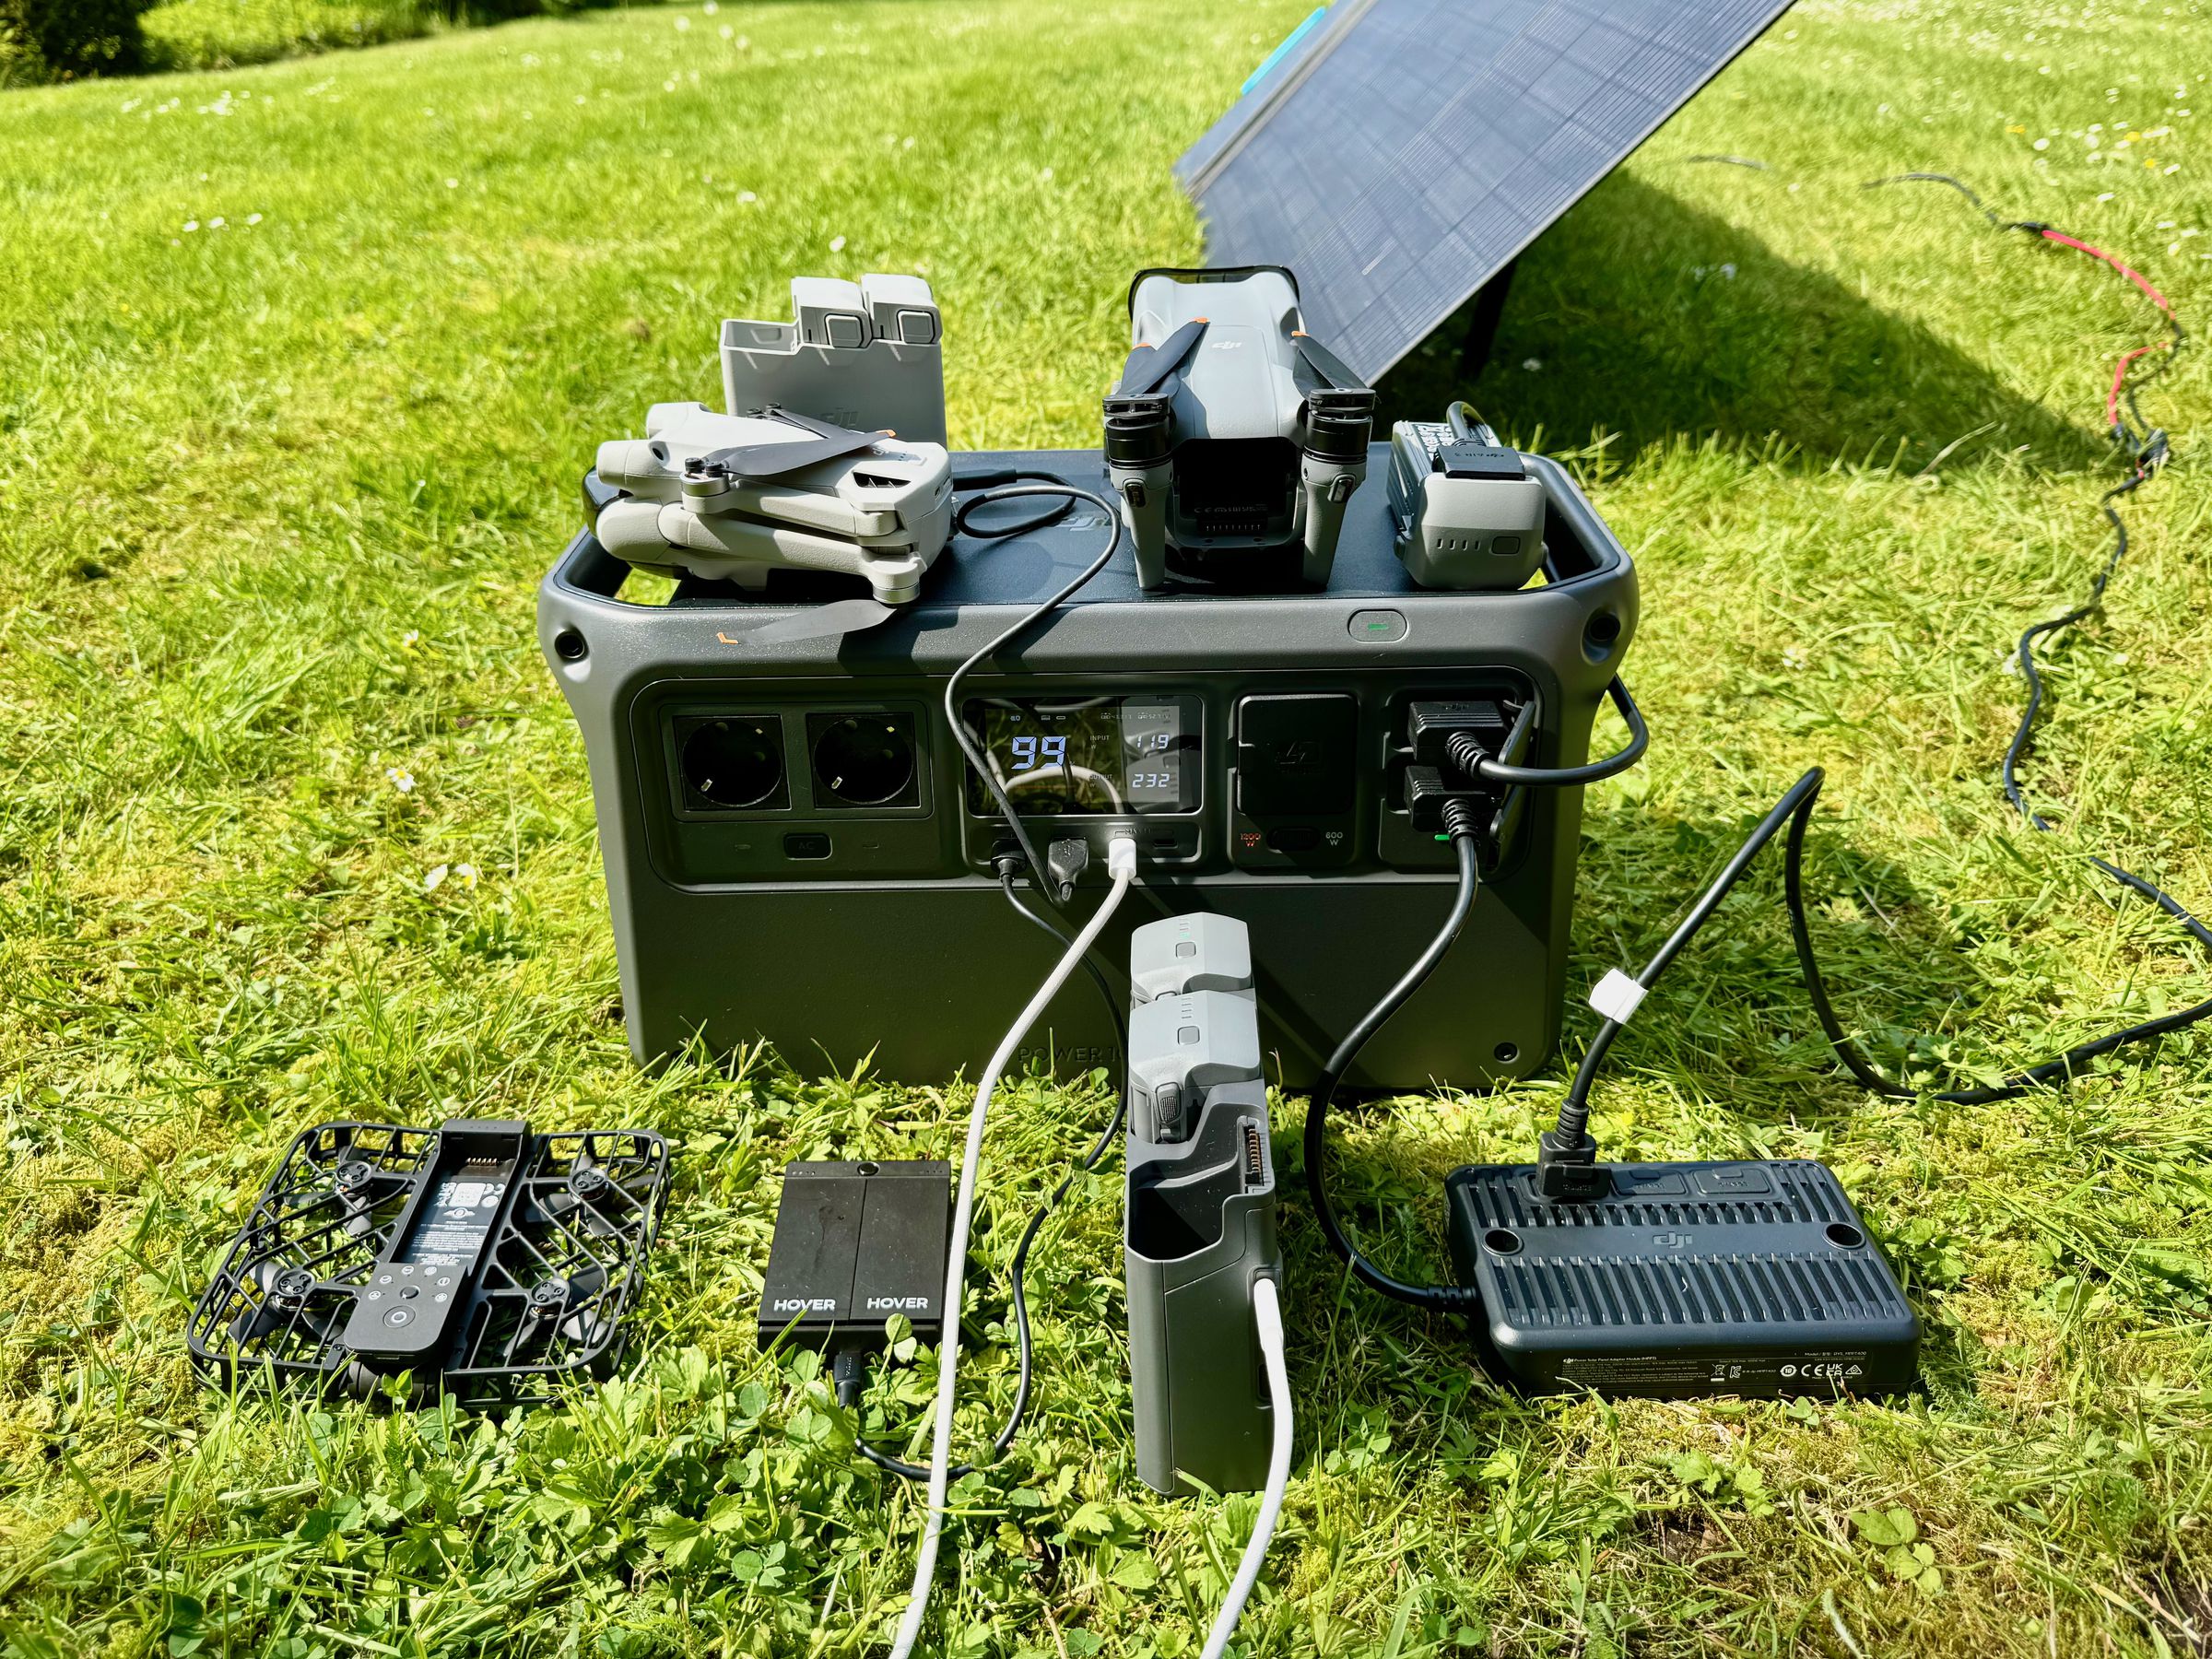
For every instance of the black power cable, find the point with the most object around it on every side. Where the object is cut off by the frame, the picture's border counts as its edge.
(1054, 891)
(1796, 810)
(1468, 755)
(850, 1368)
(1460, 822)
(998, 479)
(2148, 449)
(2059, 1069)
(1574, 1111)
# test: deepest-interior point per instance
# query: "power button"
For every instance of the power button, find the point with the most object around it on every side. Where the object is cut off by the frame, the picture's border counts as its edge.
(1378, 627)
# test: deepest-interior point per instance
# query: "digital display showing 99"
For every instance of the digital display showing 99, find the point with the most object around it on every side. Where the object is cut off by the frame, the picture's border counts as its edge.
(1054, 756)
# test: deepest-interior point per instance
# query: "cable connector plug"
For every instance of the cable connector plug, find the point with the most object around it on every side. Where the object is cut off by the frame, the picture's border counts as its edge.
(1454, 733)
(1450, 812)
(1121, 857)
(1568, 1169)
(1064, 861)
(849, 1373)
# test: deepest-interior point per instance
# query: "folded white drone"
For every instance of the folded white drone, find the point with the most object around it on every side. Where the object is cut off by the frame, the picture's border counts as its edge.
(729, 498)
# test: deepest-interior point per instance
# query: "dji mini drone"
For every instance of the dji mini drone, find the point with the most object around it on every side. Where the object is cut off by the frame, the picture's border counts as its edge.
(729, 498)
(785, 480)
(1231, 430)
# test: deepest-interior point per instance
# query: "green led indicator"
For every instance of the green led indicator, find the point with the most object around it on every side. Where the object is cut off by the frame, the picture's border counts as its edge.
(1378, 627)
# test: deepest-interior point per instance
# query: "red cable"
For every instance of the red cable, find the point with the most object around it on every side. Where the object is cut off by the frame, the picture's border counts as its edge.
(2111, 399)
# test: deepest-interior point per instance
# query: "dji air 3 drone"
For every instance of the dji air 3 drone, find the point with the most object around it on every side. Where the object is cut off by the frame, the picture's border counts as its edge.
(1231, 430)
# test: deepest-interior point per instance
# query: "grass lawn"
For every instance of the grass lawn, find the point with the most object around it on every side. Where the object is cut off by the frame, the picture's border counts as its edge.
(301, 365)
(203, 34)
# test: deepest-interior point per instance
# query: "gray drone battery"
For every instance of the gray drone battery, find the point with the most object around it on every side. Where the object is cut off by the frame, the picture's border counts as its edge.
(1201, 1216)
(1199, 951)
(1181, 1046)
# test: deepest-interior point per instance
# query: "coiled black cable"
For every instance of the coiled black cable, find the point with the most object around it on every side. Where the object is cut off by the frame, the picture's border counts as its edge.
(1053, 891)
(1468, 755)
(999, 478)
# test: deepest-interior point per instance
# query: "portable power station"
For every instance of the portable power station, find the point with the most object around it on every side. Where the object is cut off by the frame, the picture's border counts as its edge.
(796, 852)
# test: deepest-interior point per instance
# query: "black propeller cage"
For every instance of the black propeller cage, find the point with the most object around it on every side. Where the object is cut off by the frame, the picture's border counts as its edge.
(561, 1266)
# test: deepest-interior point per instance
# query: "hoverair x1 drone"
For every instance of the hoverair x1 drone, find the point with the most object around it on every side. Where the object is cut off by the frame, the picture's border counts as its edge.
(487, 1259)
(1231, 430)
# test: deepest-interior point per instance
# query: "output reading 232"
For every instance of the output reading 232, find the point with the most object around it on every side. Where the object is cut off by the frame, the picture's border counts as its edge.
(1088, 755)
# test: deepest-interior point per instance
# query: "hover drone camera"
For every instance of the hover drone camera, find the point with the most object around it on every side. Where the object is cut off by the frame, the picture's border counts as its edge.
(481, 1256)
(1231, 432)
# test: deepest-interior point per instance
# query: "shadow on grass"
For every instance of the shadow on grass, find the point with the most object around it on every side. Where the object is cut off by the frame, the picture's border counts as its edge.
(1655, 321)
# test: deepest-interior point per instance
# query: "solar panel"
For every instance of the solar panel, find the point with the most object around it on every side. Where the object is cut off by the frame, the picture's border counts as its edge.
(1400, 153)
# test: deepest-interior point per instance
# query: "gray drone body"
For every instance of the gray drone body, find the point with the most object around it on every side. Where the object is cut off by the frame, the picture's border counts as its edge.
(880, 512)
(1231, 432)
(786, 479)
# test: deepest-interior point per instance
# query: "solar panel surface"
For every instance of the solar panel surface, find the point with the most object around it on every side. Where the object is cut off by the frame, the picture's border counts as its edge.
(1406, 150)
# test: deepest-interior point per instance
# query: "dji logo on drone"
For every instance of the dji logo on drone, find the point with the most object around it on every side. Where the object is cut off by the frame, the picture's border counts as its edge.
(1671, 1241)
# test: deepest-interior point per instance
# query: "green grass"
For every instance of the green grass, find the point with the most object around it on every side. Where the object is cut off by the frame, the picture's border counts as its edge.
(222, 34)
(273, 498)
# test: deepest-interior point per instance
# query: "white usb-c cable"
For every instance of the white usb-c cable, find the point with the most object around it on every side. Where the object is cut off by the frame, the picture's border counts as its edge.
(1121, 865)
(1267, 1315)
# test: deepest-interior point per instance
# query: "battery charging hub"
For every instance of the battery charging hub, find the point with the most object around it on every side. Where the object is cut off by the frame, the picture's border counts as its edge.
(1674, 1280)
(854, 1244)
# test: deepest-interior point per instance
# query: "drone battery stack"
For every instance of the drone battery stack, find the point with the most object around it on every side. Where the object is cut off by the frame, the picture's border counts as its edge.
(1200, 1216)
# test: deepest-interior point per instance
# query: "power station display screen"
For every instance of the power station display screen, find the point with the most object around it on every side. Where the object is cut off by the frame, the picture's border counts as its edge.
(1091, 755)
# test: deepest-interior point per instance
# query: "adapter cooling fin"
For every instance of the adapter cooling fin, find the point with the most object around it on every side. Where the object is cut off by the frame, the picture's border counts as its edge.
(1652, 1195)
(1772, 1290)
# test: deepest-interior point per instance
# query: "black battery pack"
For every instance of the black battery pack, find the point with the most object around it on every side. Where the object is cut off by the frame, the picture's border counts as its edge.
(855, 1243)
(1682, 1281)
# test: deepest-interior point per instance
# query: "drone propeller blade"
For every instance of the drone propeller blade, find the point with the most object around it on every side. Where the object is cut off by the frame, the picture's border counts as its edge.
(776, 460)
(289, 1297)
(1149, 367)
(587, 1323)
(825, 621)
(1326, 364)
